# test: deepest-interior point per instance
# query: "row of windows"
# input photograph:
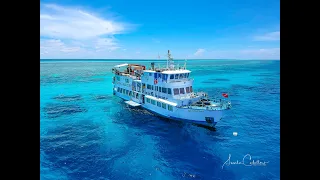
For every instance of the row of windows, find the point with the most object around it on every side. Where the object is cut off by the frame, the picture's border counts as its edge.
(126, 80)
(128, 92)
(159, 89)
(176, 91)
(179, 76)
(159, 104)
(151, 101)
(172, 76)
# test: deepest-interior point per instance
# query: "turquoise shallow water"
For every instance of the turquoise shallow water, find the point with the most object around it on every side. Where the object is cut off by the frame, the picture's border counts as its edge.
(87, 133)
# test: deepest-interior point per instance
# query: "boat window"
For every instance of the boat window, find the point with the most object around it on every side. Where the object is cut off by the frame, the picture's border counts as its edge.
(171, 76)
(127, 91)
(150, 74)
(159, 89)
(130, 93)
(169, 91)
(148, 100)
(180, 76)
(164, 106)
(159, 104)
(155, 75)
(127, 80)
(187, 89)
(176, 76)
(181, 90)
(148, 86)
(153, 102)
(164, 90)
(156, 88)
(191, 89)
(170, 108)
(151, 87)
(175, 91)
(165, 77)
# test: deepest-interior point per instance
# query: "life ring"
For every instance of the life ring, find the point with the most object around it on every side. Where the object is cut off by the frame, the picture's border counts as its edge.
(155, 81)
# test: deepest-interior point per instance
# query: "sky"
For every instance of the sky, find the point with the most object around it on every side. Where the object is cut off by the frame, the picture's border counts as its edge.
(145, 29)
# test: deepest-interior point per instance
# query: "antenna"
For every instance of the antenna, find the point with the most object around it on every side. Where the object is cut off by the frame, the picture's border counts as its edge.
(168, 59)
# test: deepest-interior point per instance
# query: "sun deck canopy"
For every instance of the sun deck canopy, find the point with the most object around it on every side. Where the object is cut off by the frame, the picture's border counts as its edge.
(121, 65)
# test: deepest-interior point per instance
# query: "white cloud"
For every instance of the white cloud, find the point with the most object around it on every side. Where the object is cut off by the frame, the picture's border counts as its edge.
(261, 51)
(273, 36)
(199, 52)
(246, 54)
(270, 53)
(67, 30)
(64, 22)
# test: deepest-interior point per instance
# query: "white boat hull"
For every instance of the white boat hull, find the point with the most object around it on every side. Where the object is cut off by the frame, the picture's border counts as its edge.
(197, 116)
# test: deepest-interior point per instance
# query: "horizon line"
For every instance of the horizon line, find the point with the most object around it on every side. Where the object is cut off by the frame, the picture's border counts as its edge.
(61, 59)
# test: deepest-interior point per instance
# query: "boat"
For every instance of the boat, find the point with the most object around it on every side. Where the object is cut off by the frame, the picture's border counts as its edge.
(167, 92)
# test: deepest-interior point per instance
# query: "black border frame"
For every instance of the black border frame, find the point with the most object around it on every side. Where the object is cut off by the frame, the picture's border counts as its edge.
(24, 147)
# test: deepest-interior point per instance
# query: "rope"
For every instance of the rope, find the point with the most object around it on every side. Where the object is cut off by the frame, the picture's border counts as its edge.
(248, 132)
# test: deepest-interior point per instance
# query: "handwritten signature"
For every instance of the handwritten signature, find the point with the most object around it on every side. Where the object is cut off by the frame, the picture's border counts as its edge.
(246, 161)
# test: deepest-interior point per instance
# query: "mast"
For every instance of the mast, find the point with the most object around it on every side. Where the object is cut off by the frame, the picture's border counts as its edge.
(170, 61)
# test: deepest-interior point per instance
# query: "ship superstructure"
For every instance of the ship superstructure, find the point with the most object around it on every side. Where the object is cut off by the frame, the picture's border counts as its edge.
(167, 92)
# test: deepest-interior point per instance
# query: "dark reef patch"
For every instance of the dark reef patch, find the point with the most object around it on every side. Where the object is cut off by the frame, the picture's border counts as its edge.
(262, 74)
(219, 79)
(57, 110)
(78, 149)
(102, 97)
(64, 98)
(208, 82)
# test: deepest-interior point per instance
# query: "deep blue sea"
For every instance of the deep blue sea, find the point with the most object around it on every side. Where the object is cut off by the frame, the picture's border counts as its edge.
(87, 133)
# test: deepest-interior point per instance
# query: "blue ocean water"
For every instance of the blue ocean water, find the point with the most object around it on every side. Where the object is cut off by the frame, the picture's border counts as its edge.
(87, 133)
